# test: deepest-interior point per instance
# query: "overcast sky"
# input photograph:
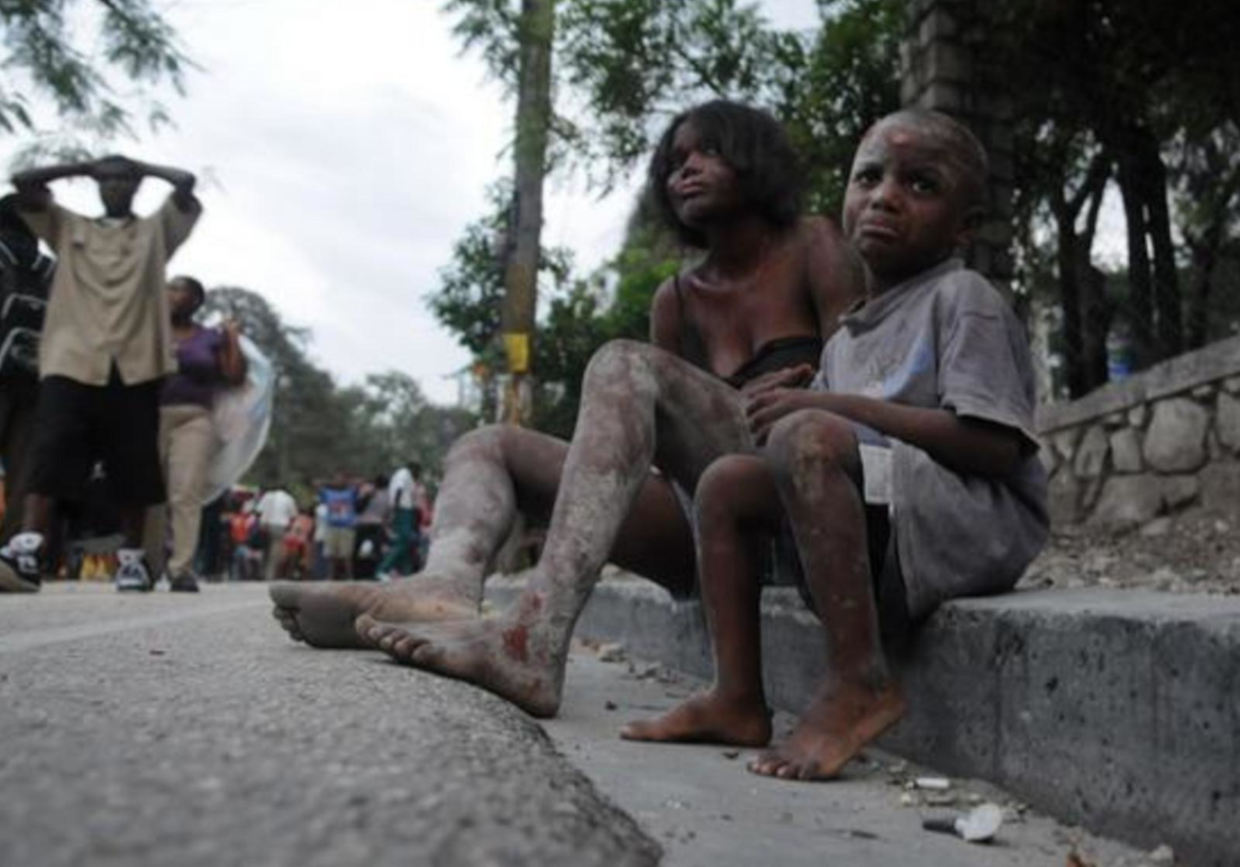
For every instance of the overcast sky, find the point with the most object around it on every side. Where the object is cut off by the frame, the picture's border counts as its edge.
(341, 148)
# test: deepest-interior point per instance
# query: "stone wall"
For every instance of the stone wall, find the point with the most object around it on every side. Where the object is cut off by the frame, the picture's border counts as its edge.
(948, 65)
(1163, 440)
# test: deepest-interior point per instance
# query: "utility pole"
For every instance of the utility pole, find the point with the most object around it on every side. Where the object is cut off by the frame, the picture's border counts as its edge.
(535, 32)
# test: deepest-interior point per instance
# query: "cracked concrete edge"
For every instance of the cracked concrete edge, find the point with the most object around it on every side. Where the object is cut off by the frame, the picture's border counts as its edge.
(1115, 710)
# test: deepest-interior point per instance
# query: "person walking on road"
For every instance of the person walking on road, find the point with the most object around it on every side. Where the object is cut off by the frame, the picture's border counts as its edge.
(207, 359)
(25, 280)
(403, 491)
(276, 510)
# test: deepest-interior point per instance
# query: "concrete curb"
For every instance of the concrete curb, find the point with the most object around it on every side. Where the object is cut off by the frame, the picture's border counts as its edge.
(1115, 710)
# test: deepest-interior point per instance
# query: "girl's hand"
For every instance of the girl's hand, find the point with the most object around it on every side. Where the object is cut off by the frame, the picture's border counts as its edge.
(764, 409)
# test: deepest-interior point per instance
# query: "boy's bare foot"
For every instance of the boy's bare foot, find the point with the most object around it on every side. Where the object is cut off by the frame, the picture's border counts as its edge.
(518, 661)
(321, 613)
(833, 730)
(706, 718)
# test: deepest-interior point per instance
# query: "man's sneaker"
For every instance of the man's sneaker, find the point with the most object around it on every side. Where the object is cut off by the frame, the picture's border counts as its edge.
(131, 571)
(21, 563)
(184, 582)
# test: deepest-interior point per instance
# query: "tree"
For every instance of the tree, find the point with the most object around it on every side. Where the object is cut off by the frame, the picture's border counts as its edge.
(46, 58)
(319, 428)
(1135, 79)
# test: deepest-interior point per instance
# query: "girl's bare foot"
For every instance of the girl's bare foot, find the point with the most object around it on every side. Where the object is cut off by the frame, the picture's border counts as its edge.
(322, 613)
(706, 718)
(517, 659)
(833, 730)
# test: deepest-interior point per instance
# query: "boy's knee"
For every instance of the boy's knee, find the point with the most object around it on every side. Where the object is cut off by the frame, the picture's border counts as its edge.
(811, 437)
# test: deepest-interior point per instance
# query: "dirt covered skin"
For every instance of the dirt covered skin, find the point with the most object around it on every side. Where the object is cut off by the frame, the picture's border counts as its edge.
(1194, 551)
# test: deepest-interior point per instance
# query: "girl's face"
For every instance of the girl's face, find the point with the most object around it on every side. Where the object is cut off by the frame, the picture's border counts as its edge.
(701, 185)
(182, 300)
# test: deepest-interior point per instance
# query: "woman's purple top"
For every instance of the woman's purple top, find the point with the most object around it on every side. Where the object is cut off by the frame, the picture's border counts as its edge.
(198, 369)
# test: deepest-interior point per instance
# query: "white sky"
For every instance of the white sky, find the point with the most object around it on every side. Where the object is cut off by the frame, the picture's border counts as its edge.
(341, 148)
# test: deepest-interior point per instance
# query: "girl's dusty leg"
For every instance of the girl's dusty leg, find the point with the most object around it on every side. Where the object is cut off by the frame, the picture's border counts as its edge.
(817, 468)
(488, 473)
(635, 397)
(737, 508)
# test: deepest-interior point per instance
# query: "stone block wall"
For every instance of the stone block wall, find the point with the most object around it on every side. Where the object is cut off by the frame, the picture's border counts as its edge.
(948, 64)
(1163, 440)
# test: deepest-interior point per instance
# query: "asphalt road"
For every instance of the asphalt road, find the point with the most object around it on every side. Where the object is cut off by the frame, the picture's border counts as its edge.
(161, 729)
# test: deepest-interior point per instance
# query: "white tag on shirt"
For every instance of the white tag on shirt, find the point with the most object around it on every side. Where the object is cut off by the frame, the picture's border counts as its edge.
(876, 474)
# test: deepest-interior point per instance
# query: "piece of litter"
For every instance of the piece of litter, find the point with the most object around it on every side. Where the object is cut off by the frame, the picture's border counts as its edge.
(611, 652)
(860, 834)
(936, 783)
(908, 799)
(731, 754)
(157, 652)
(1164, 854)
(609, 705)
(941, 799)
(976, 826)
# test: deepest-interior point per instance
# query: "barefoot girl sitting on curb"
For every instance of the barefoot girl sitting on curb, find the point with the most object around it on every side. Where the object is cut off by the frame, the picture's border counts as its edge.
(770, 282)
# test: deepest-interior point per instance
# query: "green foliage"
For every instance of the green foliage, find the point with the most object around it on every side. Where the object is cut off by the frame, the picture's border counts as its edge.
(829, 89)
(319, 428)
(47, 57)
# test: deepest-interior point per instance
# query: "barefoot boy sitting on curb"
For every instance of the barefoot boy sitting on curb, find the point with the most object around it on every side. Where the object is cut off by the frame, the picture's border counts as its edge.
(908, 474)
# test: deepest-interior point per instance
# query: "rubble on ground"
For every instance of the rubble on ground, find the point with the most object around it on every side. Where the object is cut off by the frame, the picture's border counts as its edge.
(1195, 551)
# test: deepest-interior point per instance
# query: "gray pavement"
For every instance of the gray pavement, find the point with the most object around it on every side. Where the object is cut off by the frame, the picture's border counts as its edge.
(160, 729)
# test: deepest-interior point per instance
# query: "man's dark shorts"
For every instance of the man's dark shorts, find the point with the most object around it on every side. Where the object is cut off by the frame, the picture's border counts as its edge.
(78, 425)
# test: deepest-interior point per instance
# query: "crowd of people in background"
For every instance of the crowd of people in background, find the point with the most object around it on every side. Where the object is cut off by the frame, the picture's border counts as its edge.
(353, 529)
(107, 386)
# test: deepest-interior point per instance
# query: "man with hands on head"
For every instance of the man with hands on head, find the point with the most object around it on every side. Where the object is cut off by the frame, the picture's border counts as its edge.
(105, 350)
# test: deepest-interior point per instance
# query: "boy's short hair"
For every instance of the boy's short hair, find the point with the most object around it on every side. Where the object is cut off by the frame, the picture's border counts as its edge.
(966, 153)
(749, 140)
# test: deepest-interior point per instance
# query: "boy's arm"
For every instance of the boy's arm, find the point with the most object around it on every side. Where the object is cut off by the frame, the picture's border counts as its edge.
(31, 184)
(964, 444)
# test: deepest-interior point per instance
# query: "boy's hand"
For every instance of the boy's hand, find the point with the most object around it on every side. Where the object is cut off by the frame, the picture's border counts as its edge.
(787, 377)
(764, 409)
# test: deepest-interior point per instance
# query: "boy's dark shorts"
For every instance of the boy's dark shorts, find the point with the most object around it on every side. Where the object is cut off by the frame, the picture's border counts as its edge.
(77, 425)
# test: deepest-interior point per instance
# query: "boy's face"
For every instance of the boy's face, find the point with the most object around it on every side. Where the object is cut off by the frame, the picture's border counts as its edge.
(701, 185)
(906, 207)
(118, 184)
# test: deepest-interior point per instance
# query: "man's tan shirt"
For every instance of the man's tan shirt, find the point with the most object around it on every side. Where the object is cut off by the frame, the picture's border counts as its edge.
(108, 301)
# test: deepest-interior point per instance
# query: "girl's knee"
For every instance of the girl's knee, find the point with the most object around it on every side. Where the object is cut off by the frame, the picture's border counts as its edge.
(488, 441)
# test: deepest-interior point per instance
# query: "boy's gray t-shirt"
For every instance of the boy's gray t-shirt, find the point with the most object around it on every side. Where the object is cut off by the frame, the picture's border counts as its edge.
(946, 338)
